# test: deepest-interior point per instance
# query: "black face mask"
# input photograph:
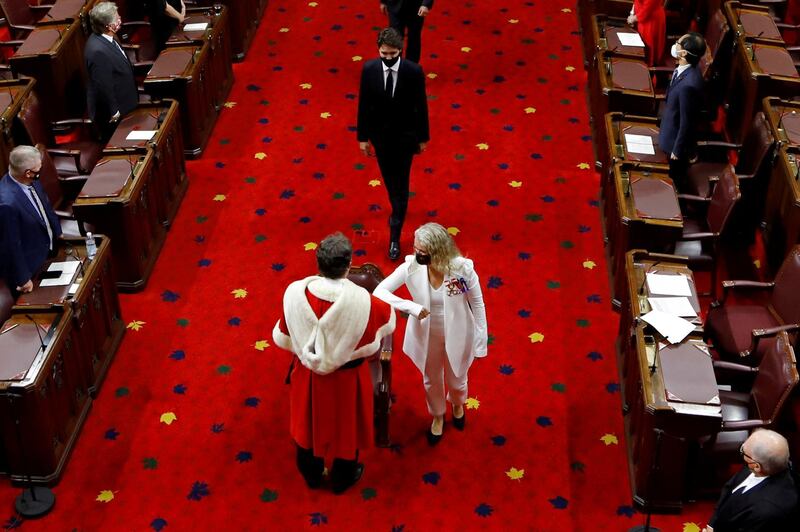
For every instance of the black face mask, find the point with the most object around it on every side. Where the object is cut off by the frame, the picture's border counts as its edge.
(422, 260)
(390, 62)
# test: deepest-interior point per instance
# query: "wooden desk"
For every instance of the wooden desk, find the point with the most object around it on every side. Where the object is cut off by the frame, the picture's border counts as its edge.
(753, 22)
(182, 73)
(119, 200)
(12, 94)
(783, 118)
(782, 209)
(167, 144)
(617, 125)
(218, 36)
(605, 38)
(53, 55)
(70, 11)
(641, 211)
(589, 8)
(244, 18)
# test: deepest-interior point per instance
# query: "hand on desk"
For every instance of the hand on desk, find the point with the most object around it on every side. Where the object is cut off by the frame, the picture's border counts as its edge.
(26, 288)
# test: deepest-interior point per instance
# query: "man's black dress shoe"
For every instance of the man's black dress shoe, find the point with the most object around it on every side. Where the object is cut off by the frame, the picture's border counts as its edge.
(459, 422)
(433, 439)
(394, 250)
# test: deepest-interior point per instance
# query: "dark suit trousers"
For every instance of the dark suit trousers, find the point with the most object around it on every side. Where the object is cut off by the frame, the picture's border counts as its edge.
(409, 19)
(678, 169)
(394, 161)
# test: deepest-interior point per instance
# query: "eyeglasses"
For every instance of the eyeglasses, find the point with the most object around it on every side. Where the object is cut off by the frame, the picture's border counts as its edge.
(746, 456)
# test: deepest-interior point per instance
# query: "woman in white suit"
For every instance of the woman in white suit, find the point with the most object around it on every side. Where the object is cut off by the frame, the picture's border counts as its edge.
(448, 328)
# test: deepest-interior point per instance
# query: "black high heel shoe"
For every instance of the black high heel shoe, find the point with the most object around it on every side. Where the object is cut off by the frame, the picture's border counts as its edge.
(459, 422)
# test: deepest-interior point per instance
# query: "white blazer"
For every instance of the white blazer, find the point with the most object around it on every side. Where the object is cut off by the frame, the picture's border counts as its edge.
(464, 312)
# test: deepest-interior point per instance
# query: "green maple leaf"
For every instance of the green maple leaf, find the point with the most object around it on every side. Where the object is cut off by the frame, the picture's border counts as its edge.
(223, 369)
(411, 194)
(150, 463)
(319, 53)
(566, 244)
(201, 219)
(547, 138)
(260, 238)
(183, 322)
(122, 391)
(543, 81)
(264, 102)
(561, 180)
(494, 111)
(223, 142)
(534, 217)
(553, 284)
(338, 195)
(565, 102)
(577, 467)
(527, 41)
(459, 157)
(359, 166)
(250, 179)
(582, 323)
(357, 226)
(463, 67)
(490, 339)
(298, 129)
(369, 493)
(269, 495)
(558, 387)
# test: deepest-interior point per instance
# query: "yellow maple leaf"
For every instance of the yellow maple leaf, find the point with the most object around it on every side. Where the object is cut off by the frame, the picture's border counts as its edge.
(757, 264)
(569, 68)
(374, 182)
(473, 403)
(466, 49)
(260, 156)
(312, 4)
(453, 230)
(530, 110)
(261, 345)
(583, 166)
(566, 10)
(310, 246)
(609, 439)
(357, 58)
(105, 496)
(305, 86)
(168, 417)
(432, 75)
(515, 474)
(325, 115)
(239, 293)
(536, 337)
(284, 30)
(230, 105)
(515, 184)
(135, 325)
(482, 146)
(219, 197)
(513, 20)
(691, 527)
(589, 264)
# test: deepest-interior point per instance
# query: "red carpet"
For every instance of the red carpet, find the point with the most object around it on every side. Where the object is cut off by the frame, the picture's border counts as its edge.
(190, 430)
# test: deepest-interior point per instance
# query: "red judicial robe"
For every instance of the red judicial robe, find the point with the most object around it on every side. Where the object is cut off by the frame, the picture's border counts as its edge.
(652, 26)
(332, 414)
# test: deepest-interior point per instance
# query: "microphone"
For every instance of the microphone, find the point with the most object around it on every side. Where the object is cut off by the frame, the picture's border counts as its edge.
(163, 114)
(70, 252)
(644, 280)
(38, 332)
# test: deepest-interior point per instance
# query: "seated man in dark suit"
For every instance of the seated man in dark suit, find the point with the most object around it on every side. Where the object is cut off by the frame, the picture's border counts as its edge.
(683, 105)
(763, 495)
(28, 224)
(112, 87)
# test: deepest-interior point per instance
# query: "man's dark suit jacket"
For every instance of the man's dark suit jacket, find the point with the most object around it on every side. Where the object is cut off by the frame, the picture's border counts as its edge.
(679, 120)
(395, 6)
(401, 120)
(771, 506)
(112, 86)
(24, 244)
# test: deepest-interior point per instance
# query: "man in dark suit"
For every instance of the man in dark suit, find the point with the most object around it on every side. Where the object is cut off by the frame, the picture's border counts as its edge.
(393, 116)
(682, 107)
(112, 87)
(28, 224)
(408, 14)
(763, 495)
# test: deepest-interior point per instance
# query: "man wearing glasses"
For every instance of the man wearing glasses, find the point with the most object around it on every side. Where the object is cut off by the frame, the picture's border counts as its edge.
(763, 495)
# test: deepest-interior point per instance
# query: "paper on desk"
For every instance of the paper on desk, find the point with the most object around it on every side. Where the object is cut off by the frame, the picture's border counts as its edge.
(677, 306)
(67, 269)
(673, 328)
(141, 134)
(200, 26)
(630, 39)
(668, 285)
(639, 144)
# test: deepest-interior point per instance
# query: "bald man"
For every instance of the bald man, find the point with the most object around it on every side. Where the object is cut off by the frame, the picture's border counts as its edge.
(763, 495)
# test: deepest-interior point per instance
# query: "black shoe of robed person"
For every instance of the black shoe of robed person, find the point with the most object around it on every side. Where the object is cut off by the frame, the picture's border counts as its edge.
(394, 250)
(341, 488)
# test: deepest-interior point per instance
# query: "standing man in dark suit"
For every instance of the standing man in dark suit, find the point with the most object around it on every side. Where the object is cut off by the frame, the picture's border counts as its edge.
(763, 495)
(408, 14)
(112, 87)
(684, 102)
(165, 15)
(28, 224)
(393, 116)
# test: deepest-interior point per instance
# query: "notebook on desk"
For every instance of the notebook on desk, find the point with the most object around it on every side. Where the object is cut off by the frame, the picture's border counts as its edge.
(688, 373)
(655, 198)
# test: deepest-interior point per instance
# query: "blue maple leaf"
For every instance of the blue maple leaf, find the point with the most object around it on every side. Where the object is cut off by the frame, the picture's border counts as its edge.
(252, 401)
(12, 522)
(321, 146)
(277, 68)
(492, 203)
(244, 456)
(287, 194)
(318, 518)
(455, 105)
(374, 207)
(359, 252)
(263, 120)
(303, 101)
(484, 510)
(480, 92)
(234, 321)
(498, 440)
(333, 70)
(506, 369)
(352, 129)
(266, 140)
(278, 266)
(627, 511)
(612, 387)
(456, 128)
(503, 166)
(548, 199)
(204, 263)
(111, 434)
(431, 477)
(428, 170)
(318, 175)
(350, 96)
(216, 428)
(398, 528)
(594, 203)
(336, 27)
(573, 120)
(199, 239)
(179, 389)
(219, 164)
(261, 212)
(169, 296)
(593, 298)
(508, 127)
(304, 220)
(432, 214)
(544, 421)
(594, 356)
(454, 186)
(536, 156)
(253, 87)
(586, 138)
(524, 255)
(496, 237)
(178, 354)
(524, 313)
(198, 491)
(396, 448)
(559, 502)
(499, 79)
(297, 160)
(494, 282)
(158, 524)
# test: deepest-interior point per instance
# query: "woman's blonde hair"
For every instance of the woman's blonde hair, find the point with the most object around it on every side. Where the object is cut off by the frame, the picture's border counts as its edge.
(439, 245)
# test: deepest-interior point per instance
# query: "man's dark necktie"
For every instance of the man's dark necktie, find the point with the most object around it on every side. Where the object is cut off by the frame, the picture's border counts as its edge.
(42, 214)
(389, 84)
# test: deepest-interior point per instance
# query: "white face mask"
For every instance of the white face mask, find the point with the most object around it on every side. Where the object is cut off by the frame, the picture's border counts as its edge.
(674, 50)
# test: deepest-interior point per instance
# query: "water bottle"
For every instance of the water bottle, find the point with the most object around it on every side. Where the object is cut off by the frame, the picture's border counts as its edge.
(91, 247)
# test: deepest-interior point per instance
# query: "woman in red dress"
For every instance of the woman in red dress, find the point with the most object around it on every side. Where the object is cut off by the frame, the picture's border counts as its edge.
(651, 23)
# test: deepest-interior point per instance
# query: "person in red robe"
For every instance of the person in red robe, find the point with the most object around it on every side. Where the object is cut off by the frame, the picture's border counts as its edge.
(651, 22)
(331, 325)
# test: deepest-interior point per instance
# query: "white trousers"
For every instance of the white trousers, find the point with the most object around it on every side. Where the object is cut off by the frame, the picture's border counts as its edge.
(438, 373)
